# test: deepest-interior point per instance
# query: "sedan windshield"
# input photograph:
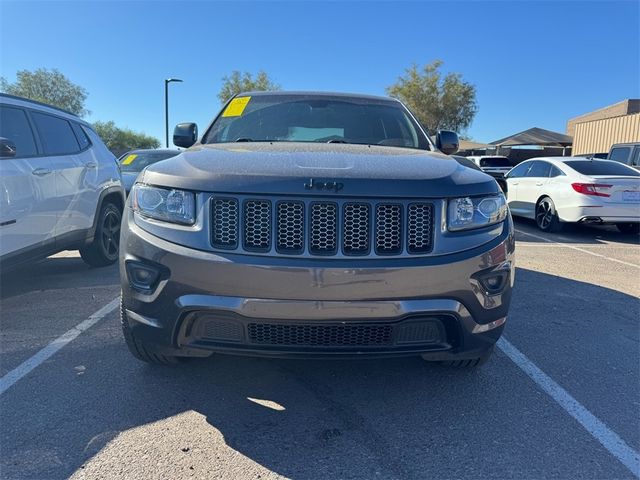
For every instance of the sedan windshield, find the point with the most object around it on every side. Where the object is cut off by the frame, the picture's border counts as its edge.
(602, 167)
(316, 118)
(137, 161)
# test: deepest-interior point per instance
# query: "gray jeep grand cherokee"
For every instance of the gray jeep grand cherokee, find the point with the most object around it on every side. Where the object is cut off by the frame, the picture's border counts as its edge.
(313, 224)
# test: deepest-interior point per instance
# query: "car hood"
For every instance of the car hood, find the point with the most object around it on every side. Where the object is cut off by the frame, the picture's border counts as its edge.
(288, 168)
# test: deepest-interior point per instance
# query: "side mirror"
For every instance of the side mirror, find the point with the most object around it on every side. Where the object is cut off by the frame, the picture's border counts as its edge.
(7, 148)
(185, 134)
(447, 142)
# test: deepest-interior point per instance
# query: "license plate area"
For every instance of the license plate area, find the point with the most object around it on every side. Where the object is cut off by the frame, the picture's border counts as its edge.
(632, 197)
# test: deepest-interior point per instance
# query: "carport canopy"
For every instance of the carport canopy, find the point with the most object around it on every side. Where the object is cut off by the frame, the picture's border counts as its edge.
(536, 136)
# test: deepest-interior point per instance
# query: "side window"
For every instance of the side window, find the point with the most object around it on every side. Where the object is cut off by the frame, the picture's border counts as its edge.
(520, 170)
(82, 138)
(539, 170)
(15, 126)
(620, 154)
(556, 172)
(56, 134)
(636, 157)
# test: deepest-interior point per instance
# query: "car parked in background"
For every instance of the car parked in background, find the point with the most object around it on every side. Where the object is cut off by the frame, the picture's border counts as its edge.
(627, 153)
(134, 161)
(558, 190)
(494, 165)
(60, 187)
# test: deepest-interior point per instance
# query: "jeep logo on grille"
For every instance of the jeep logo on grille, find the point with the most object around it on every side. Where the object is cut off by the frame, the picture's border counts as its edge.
(326, 186)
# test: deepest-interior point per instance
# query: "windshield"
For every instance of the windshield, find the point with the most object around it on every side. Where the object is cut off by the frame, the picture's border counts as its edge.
(313, 118)
(602, 167)
(137, 161)
(495, 162)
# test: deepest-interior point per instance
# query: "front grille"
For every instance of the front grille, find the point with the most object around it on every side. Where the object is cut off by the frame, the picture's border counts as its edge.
(290, 227)
(320, 335)
(335, 228)
(225, 223)
(257, 225)
(388, 229)
(324, 228)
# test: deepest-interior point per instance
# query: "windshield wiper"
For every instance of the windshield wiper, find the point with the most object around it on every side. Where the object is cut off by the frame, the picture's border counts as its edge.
(336, 140)
(244, 139)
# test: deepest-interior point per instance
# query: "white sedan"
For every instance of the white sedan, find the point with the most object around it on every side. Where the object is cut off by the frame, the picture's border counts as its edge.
(557, 190)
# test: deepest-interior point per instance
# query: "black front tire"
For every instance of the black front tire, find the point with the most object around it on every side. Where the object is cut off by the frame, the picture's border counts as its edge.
(140, 349)
(105, 247)
(547, 216)
(628, 228)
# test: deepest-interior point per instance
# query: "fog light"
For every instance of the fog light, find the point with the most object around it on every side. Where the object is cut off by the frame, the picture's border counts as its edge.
(494, 282)
(142, 277)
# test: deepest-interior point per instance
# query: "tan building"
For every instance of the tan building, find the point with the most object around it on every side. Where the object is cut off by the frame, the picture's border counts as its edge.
(595, 132)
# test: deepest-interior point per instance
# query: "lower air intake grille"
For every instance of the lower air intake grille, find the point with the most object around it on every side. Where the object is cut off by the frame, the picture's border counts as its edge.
(320, 335)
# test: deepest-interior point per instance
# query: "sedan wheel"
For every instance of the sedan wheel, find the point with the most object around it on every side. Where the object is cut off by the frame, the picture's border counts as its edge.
(547, 217)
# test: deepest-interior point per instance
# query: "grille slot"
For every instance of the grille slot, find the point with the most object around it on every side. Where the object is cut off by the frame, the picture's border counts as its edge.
(320, 335)
(388, 229)
(225, 223)
(420, 228)
(324, 228)
(257, 225)
(355, 221)
(290, 227)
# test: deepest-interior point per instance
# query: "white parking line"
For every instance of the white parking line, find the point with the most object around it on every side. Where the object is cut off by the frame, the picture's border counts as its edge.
(578, 249)
(598, 430)
(25, 367)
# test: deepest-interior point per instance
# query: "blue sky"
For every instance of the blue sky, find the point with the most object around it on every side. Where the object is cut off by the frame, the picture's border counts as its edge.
(533, 63)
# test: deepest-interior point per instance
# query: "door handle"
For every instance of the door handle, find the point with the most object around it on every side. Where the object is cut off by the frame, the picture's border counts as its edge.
(41, 172)
(514, 183)
(91, 165)
(539, 184)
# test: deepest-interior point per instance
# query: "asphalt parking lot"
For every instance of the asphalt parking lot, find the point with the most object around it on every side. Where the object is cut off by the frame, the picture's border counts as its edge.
(559, 399)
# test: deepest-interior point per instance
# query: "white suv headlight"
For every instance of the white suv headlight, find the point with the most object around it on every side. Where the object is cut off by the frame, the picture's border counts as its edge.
(475, 212)
(168, 205)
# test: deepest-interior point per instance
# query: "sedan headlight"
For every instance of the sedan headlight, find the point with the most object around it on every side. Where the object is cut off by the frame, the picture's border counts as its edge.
(168, 205)
(475, 212)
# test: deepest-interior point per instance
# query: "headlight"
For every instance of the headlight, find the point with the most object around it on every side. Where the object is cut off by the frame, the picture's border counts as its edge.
(468, 212)
(168, 205)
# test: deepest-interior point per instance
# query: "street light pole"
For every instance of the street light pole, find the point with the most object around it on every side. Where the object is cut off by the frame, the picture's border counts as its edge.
(166, 108)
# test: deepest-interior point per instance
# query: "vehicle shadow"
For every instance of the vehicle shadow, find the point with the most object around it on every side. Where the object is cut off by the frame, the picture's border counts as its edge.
(574, 233)
(55, 272)
(308, 419)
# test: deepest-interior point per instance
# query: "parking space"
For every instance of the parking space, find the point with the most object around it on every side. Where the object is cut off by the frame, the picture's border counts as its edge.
(92, 411)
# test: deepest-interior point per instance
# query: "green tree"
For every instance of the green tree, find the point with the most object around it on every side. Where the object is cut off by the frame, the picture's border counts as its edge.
(120, 140)
(440, 102)
(48, 86)
(239, 82)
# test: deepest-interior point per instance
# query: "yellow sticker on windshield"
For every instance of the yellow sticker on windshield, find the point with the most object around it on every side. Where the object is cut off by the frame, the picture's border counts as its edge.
(129, 159)
(236, 107)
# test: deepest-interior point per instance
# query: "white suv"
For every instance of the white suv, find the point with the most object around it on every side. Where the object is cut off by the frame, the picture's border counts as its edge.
(60, 187)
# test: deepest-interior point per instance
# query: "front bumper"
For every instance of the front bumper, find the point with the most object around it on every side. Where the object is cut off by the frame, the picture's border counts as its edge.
(204, 301)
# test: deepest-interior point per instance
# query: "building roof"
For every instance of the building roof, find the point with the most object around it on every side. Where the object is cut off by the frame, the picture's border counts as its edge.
(536, 136)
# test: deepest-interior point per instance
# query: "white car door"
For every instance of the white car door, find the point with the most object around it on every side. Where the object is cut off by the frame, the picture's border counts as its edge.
(70, 168)
(28, 214)
(532, 186)
(514, 177)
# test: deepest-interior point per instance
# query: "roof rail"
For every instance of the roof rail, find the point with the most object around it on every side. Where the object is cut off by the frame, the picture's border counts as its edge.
(16, 97)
